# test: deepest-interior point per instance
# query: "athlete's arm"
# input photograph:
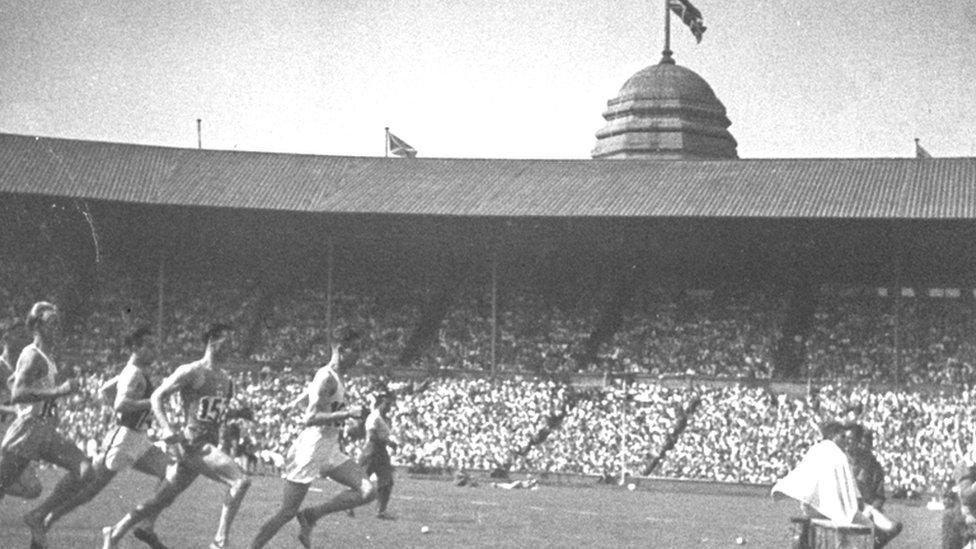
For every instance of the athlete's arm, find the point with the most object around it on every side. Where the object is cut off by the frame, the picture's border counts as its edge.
(6, 369)
(183, 376)
(127, 395)
(298, 401)
(109, 390)
(30, 368)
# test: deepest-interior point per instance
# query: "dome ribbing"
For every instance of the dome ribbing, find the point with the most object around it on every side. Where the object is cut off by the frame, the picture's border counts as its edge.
(665, 111)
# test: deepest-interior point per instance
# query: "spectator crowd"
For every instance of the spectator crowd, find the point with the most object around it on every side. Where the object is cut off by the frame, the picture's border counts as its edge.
(738, 434)
(862, 346)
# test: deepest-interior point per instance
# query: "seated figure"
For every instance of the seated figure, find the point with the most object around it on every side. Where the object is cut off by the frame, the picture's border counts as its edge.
(826, 486)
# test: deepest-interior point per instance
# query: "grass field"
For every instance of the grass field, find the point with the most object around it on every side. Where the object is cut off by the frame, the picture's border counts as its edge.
(552, 516)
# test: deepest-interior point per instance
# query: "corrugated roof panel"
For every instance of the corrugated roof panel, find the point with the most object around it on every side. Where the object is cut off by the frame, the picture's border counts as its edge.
(866, 188)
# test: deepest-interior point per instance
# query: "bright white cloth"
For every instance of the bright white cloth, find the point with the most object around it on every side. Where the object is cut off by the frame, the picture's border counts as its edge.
(824, 481)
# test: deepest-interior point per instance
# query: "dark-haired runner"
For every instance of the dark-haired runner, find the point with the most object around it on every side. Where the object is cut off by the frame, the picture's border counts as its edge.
(126, 444)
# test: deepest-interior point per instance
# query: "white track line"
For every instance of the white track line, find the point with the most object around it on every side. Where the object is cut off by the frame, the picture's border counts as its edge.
(664, 520)
(417, 498)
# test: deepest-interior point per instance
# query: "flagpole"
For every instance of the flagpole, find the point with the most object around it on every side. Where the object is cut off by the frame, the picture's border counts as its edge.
(667, 33)
(386, 143)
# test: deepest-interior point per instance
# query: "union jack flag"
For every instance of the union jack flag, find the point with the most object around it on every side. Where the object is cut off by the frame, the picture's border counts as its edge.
(689, 16)
(920, 151)
(400, 147)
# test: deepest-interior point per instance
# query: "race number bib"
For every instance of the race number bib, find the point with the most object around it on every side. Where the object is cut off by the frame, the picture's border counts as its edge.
(211, 408)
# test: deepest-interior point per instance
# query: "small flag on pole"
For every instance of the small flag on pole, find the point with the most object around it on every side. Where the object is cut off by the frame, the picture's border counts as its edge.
(920, 151)
(399, 147)
(689, 16)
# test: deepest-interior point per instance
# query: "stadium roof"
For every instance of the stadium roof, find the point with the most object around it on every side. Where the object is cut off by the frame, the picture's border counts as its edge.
(940, 188)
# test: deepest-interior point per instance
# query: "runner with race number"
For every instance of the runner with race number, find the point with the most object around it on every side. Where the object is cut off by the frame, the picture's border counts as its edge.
(34, 435)
(206, 392)
(127, 444)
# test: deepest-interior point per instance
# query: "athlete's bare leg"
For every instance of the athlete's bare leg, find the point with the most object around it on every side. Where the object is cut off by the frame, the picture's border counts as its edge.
(383, 494)
(11, 467)
(291, 500)
(174, 485)
(99, 477)
(361, 491)
(27, 485)
(236, 491)
(154, 463)
(94, 482)
(77, 466)
(216, 465)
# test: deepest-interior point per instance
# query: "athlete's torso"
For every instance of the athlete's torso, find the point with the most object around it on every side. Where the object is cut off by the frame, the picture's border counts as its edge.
(139, 420)
(321, 401)
(378, 425)
(205, 402)
(46, 409)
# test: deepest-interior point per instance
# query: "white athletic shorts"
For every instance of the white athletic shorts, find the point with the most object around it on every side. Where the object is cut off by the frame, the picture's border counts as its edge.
(123, 446)
(312, 455)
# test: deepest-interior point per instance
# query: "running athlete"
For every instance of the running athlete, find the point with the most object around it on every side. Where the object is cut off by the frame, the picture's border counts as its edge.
(316, 452)
(28, 486)
(127, 444)
(205, 391)
(959, 519)
(33, 435)
(376, 458)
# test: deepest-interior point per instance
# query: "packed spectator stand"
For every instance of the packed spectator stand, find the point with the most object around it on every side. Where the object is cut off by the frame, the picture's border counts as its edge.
(908, 359)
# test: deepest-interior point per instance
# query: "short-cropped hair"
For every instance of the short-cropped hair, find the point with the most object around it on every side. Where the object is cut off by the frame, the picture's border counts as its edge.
(36, 314)
(348, 336)
(384, 397)
(857, 431)
(831, 429)
(216, 331)
(855, 407)
(136, 337)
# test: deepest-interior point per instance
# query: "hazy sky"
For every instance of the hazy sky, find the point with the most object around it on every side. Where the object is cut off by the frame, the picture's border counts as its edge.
(499, 79)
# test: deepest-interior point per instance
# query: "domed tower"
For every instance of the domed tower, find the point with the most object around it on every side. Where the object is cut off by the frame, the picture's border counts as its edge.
(668, 112)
